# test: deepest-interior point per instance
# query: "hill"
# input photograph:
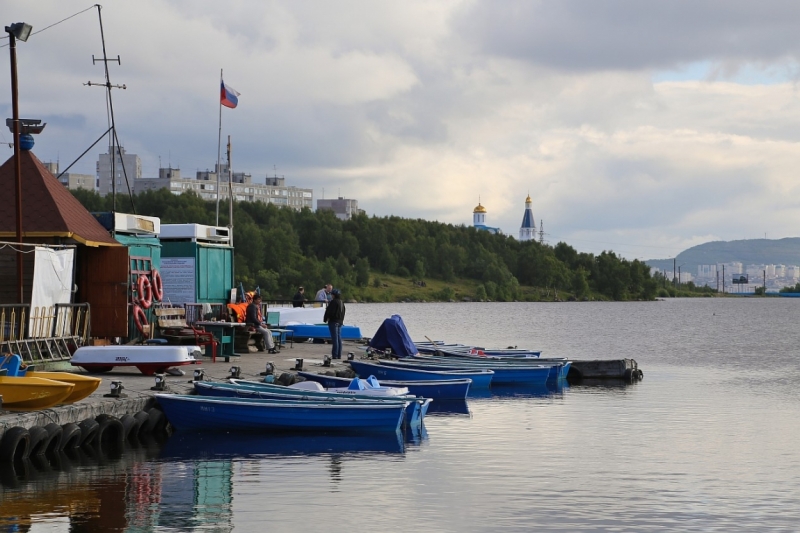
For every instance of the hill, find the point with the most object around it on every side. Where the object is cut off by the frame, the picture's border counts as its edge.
(748, 252)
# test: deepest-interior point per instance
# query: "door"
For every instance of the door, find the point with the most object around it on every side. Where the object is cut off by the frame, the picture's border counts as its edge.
(104, 284)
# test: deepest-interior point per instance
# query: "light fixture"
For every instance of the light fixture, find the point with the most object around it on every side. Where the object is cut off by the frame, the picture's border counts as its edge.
(116, 390)
(298, 364)
(326, 361)
(269, 370)
(199, 374)
(161, 383)
(235, 372)
(20, 30)
(351, 356)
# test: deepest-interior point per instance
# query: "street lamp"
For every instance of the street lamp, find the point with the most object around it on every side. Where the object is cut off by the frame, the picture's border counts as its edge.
(21, 31)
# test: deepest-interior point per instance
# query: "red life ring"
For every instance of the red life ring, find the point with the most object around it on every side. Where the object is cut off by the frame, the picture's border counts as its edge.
(145, 291)
(139, 318)
(158, 286)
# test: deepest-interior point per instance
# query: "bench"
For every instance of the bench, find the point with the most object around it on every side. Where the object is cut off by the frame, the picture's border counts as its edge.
(172, 326)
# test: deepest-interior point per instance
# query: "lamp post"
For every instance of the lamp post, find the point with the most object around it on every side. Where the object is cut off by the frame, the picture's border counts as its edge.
(21, 31)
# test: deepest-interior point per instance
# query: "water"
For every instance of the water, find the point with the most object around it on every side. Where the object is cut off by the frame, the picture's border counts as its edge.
(707, 442)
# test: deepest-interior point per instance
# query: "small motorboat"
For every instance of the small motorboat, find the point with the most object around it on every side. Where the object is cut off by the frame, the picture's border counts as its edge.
(84, 385)
(23, 392)
(504, 374)
(366, 387)
(192, 412)
(481, 378)
(237, 388)
(444, 389)
(148, 359)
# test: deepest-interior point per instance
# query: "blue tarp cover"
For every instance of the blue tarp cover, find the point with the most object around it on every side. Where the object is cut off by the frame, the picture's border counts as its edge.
(393, 334)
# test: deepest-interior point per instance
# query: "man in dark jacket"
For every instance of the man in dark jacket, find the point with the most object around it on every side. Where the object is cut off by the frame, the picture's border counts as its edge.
(255, 318)
(299, 298)
(334, 316)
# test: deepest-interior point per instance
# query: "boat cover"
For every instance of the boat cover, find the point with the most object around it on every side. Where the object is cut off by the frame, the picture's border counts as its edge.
(393, 334)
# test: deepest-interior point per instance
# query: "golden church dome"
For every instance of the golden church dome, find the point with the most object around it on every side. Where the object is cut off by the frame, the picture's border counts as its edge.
(479, 209)
(528, 199)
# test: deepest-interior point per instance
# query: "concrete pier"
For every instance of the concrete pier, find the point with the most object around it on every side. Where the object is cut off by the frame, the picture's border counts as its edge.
(139, 397)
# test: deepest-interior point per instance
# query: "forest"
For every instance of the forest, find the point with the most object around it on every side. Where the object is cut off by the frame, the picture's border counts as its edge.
(278, 249)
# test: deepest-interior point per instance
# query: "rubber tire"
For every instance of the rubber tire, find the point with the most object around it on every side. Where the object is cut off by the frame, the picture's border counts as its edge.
(54, 433)
(156, 422)
(70, 436)
(143, 419)
(129, 425)
(89, 429)
(15, 445)
(110, 433)
(38, 438)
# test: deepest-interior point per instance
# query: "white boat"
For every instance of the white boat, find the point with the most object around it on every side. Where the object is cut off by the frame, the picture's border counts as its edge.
(361, 387)
(148, 359)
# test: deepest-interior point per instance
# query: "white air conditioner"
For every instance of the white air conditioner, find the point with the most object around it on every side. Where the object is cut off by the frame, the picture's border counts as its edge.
(195, 233)
(137, 224)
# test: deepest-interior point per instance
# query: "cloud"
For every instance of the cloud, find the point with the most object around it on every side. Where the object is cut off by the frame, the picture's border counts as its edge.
(629, 123)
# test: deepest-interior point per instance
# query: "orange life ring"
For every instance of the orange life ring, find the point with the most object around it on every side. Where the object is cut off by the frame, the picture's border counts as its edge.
(139, 318)
(158, 286)
(145, 290)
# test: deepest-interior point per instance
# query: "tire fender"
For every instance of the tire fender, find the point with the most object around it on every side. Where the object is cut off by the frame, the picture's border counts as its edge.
(15, 445)
(89, 429)
(38, 438)
(70, 436)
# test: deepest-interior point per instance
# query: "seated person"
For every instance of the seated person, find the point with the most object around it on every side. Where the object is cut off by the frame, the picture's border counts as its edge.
(255, 318)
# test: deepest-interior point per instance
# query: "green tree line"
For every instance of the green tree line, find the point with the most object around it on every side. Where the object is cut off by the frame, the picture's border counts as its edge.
(278, 249)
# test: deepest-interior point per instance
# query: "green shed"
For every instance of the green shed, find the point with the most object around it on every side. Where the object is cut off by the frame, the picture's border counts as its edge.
(196, 263)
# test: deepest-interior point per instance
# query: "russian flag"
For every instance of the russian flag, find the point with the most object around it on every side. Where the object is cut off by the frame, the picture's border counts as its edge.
(228, 96)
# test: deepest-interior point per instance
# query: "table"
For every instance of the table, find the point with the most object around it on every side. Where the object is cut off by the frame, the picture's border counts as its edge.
(281, 335)
(224, 332)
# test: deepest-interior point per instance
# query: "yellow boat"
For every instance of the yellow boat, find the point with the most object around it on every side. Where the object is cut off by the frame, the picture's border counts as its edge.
(84, 385)
(33, 393)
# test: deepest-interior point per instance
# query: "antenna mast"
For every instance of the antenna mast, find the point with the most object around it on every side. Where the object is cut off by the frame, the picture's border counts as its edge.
(114, 151)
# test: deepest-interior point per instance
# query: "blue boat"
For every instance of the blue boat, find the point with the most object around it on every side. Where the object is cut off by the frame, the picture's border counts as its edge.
(480, 378)
(445, 389)
(503, 374)
(191, 412)
(463, 350)
(416, 408)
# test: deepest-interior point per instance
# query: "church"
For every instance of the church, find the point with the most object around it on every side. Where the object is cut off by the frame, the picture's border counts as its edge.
(527, 230)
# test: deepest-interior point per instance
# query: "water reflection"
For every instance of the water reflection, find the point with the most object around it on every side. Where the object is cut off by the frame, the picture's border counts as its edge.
(448, 408)
(191, 445)
(542, 390)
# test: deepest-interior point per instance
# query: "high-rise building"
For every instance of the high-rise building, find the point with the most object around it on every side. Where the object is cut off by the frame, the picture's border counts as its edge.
(132, 169)
(344, 208)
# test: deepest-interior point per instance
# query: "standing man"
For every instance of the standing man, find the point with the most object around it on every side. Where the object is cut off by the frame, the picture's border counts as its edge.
(323, 295)
(334, 316)
(255, 318)
(299, 297)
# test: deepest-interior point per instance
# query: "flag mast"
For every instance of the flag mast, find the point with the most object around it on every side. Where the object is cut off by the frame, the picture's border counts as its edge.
(219, 143)
(230, 195)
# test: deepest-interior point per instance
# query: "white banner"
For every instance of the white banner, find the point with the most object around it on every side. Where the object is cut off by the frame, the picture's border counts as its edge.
(52, 284)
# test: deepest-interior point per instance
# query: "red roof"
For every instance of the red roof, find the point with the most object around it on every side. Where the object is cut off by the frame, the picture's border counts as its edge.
(48, 208)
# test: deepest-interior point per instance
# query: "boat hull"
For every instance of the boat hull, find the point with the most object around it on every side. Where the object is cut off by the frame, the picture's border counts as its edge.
(447, 389)
(503, 374)
(148, 359)
(188, 412)
(480, 378)
(321, 331)
(415, 409)
(83, 385)
(23, 393)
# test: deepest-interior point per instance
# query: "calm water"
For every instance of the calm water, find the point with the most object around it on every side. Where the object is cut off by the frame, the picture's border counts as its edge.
(707, 442)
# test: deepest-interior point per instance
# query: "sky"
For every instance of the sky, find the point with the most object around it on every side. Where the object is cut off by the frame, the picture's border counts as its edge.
(639, 127)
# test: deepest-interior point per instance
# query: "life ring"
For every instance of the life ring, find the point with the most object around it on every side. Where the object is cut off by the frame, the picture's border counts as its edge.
(158, 286)
(145, 291)
(139, 318)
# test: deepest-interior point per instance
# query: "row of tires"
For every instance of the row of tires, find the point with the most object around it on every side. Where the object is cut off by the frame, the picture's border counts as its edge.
(104, 431)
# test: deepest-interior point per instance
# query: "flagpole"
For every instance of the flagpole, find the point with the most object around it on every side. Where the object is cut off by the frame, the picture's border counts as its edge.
(219, 142)
(230, 194)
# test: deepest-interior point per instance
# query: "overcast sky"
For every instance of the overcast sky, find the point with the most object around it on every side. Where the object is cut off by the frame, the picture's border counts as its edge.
(639, 127)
